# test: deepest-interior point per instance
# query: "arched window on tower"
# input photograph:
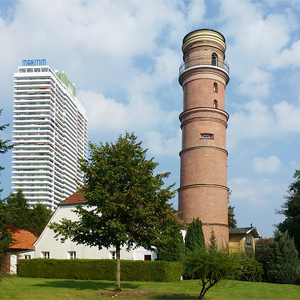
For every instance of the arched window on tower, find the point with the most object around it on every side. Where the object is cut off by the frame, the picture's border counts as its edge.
(214, 59)
(215, 103)
(215, 87)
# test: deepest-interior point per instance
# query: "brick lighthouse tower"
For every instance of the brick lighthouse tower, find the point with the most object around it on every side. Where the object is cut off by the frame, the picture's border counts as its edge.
(203, 191)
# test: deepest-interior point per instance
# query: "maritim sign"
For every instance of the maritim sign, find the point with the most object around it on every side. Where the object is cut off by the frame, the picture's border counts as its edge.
(34, 62)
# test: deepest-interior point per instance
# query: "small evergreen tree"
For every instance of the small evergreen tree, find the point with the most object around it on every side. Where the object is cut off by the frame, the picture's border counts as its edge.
(173, 250)
(231, 217)
(194, 239)
(284, 265)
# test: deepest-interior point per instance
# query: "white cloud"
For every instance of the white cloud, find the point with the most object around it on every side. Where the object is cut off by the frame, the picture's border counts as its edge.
(270, 164)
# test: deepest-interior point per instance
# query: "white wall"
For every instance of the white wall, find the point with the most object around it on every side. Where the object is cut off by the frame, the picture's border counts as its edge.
(47, 243)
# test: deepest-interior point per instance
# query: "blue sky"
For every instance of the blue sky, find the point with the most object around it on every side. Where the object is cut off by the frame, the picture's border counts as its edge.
(124, 57)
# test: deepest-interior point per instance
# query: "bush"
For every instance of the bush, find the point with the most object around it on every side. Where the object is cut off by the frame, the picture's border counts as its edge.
(84, 269)
(249, 270)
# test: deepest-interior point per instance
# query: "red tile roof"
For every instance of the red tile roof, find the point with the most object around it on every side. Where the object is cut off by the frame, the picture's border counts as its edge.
(76, 198)
(22, 239)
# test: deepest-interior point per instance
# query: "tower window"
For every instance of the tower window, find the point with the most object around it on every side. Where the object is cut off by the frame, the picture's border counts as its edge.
(215, 103)
(215, 89)
(214, 59)
(207, 136)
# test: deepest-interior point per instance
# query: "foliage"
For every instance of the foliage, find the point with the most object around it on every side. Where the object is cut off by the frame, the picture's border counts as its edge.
(291, 211)
(21, 216)
(284, 266)
(174, 250)
(231, 217)
(5, 235)
(212, 265)
(249, 269)
(194, 239)
(4, 146)
(127, 204)
(263, 254)
(96, 269)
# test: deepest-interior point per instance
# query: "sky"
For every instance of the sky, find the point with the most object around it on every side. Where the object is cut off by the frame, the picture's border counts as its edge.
(124, 56)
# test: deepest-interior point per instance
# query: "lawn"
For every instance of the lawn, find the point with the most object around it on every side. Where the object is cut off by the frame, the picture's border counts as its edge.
(18, 288)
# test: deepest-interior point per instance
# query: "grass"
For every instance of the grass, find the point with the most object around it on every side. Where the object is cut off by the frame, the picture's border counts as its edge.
(20, 288)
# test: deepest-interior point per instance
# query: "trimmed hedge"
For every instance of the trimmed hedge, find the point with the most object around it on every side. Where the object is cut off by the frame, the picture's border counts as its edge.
(96, 269)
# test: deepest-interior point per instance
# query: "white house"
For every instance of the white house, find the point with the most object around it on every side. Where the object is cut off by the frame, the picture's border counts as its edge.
(46, 246)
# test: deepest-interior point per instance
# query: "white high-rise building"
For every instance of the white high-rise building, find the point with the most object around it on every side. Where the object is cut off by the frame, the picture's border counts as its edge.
(49, 136)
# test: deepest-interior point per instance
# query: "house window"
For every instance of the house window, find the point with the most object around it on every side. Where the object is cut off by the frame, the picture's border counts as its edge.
(248, 240)
(215, 103)
(46, 254)
(147, 257)
(214, 59)
(72, 254)
(27, 256)
(113, 254)
(215, 89)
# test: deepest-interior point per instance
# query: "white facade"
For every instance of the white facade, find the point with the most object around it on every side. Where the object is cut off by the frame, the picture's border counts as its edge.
(47, 246)
(50, 134)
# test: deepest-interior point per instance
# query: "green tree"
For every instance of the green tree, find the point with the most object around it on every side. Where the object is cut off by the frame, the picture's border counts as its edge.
(212, 265)
(21, 216)
(5, 236)
(4, 145)
(174, 250)
(263, 254)
(194, 239)
(127, 203)
(284, 266)
(18, 210)
(231, 217)
(39, 216)
(291, 211)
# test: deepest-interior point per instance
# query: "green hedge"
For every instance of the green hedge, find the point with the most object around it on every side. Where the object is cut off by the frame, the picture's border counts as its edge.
(104, 269)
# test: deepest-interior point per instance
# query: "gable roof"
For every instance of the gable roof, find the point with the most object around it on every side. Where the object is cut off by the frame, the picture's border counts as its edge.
(22, 239)
(76, 198)
(245, 230)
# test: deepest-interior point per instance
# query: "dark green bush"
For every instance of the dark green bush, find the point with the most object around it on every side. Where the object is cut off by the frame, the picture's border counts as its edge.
(100, 269)
(249, 270)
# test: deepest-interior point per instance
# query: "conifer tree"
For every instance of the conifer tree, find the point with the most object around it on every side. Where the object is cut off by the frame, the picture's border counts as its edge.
(174, 250)
(284, 264)
(194, 239)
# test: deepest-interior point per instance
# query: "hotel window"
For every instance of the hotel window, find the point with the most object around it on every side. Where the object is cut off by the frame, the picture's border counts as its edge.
(45, 254)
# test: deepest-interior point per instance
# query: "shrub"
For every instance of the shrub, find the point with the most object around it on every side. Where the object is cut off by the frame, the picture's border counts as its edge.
(100, 269)
(249, 270)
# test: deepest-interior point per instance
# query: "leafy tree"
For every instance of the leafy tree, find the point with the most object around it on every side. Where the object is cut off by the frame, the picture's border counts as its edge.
(4, 146)
(127, 204)
(174, 250)
(284, 266)
(5, 236)
(212, 265)
(291, 211)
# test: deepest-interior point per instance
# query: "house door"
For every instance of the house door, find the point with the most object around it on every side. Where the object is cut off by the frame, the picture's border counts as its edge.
(13, 264)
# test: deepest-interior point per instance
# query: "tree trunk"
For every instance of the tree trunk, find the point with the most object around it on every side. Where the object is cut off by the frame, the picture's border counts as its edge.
(118, 273)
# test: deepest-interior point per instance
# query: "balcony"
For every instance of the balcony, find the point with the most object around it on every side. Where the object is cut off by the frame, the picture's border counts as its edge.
(203, 62)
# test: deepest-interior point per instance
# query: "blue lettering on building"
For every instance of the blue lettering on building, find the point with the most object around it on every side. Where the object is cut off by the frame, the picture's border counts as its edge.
(34, 62)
